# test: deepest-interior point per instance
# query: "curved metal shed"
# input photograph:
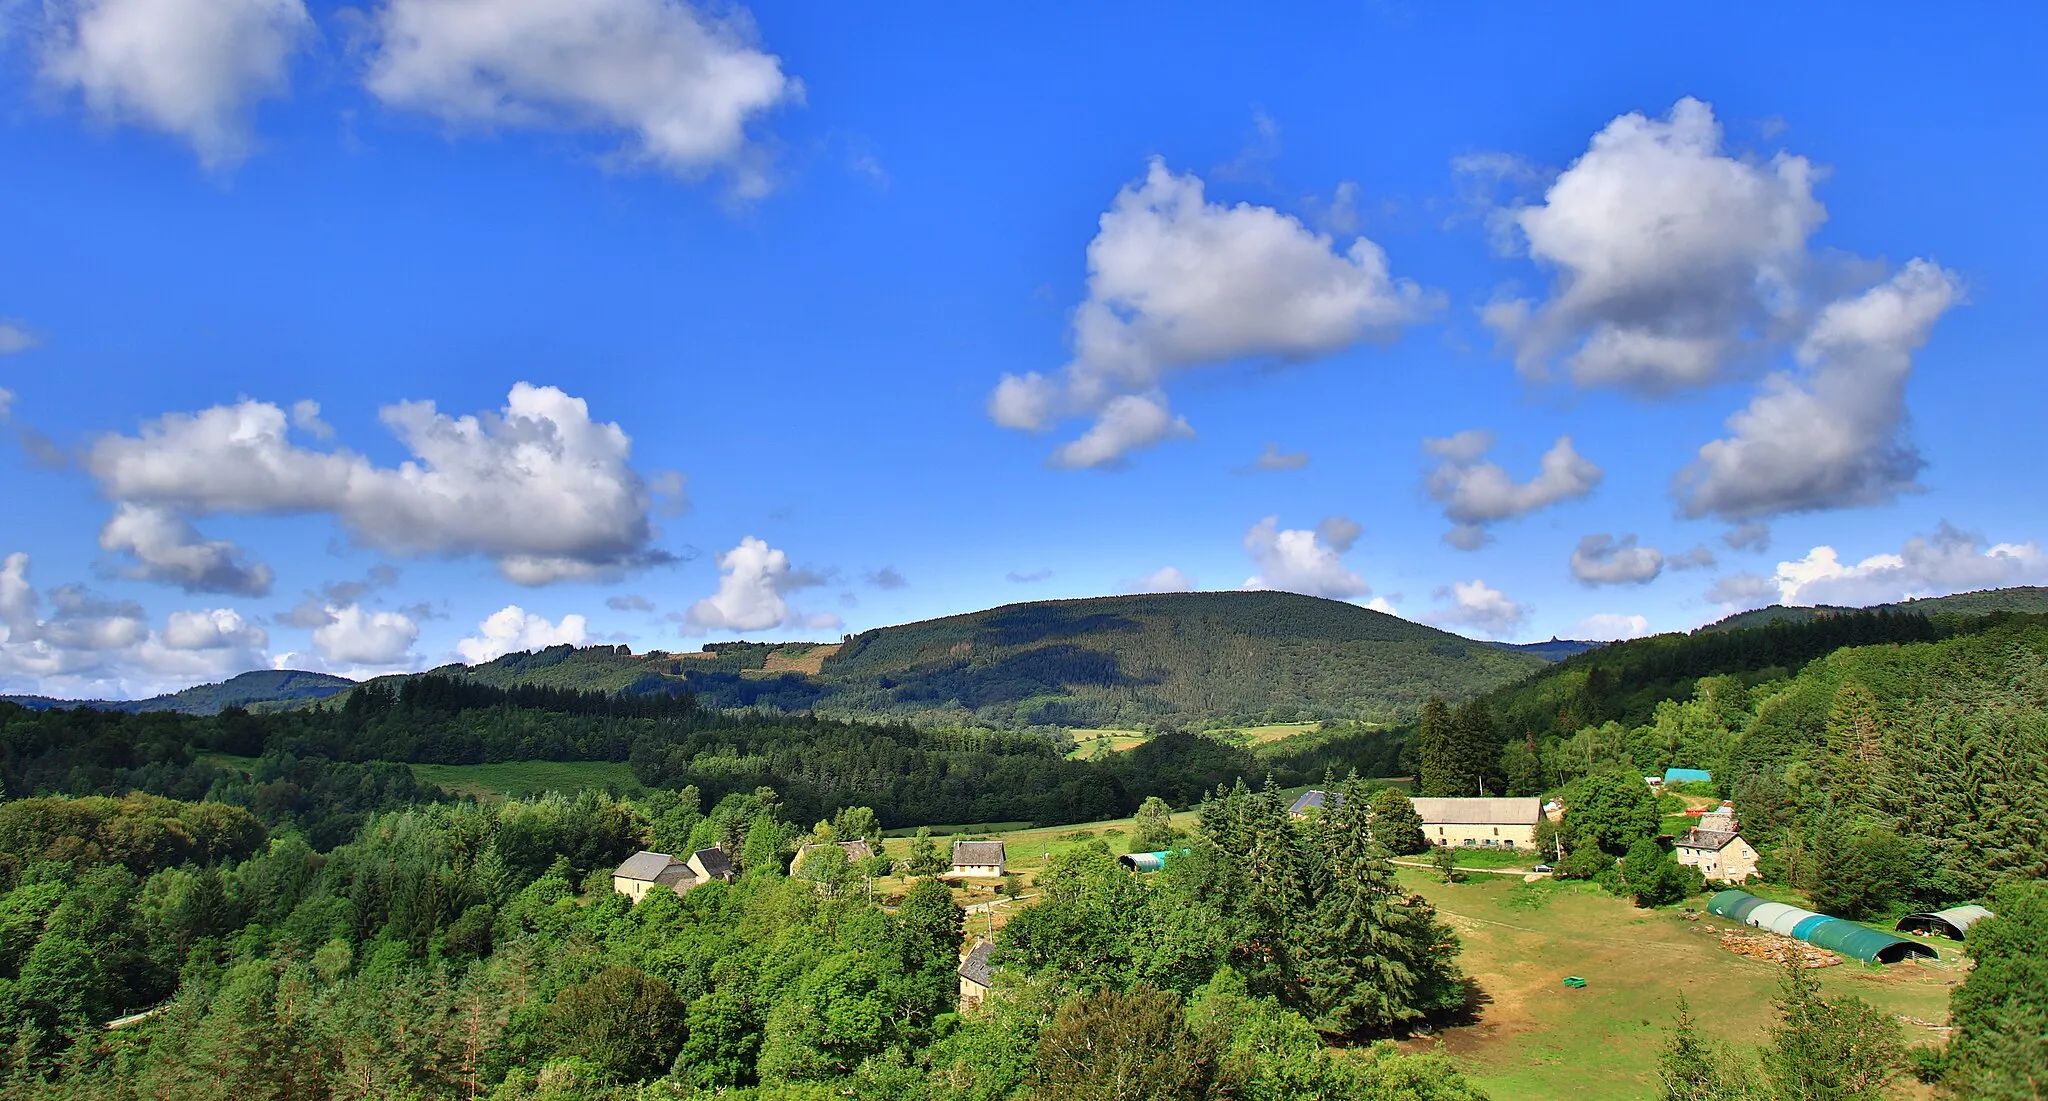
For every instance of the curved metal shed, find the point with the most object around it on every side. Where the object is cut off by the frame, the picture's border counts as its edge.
(1850, 939)
(1953, 922)
(1145, 862)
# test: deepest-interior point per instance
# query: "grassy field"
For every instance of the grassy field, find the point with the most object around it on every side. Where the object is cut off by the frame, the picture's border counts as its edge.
(1090, 744)
(1261, 735)
(513, 779)
(1535, 1037)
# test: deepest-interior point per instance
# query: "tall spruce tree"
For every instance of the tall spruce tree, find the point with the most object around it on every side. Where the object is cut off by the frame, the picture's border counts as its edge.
(1438, 775)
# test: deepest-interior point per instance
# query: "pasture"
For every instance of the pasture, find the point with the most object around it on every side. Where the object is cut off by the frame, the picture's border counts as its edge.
(520, 779)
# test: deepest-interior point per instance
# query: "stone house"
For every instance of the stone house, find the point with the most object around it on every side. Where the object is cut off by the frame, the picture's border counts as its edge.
(643, 871)
(975, 979)
(1720, 855)
(1480, 823)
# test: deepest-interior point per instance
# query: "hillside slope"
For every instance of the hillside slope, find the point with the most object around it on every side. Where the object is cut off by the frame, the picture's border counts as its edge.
(255, 690)
(2021, 599)
(1173, 658)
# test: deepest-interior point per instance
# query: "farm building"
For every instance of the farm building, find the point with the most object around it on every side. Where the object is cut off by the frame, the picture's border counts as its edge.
(1858, 942)
(1953, 922)
(1148, 862)
(644, 871)
(1688, 776)
(1720, 855)
(981, 859)
(974, 974)
(856, 851)
(1314, 800)
(1482, 823)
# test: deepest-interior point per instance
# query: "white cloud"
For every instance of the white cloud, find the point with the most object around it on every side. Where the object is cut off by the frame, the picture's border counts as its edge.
(1698, 558)
(1299, 561)
(1833, 436)
(1948, 561)
(1742, 591)
(1475, 492)
(1175, 282)
(95, 648)
(1381, 604)
(681, 85)
(512, 629)
(1128, 422)
(753, 582)
(1604, 560)
(1478, 606)
(539, 488)
(14, 337)
(166, 547)
(1166, 579)
(1669, 255)
(353, 636)
(1272, 458)
(192, 68)
(1611, 627)
(306, 418)
(1340, 532)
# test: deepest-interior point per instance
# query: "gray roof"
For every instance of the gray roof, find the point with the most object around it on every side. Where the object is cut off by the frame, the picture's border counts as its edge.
(1710, 840)
(1479, 812)
(1957, 918)
(1317, 799)
(714, 862)
(978, 852)
(644, 866)
(676, 875)
(857, 850)
(975, 967)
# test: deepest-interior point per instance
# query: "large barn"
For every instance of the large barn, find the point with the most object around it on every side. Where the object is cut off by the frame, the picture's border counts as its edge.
(1480, 823)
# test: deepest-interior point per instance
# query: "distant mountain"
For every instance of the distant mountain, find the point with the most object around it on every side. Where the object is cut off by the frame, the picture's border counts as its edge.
(1557, 649)
(1170, 658)
(258, 690)
(2024, 599)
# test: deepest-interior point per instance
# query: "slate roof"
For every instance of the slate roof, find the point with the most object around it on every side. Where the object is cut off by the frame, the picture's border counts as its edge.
(1317, 799)
(644, 866)
(714, 862)
(975, 967)
(676, 876)
(857, 850)
(1710, 840)
(1479, 812)
(977, 852)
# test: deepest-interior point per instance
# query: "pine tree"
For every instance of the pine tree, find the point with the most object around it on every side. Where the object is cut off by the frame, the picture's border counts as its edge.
(1437, 759)
(1688, 1067)
(1830, 1050)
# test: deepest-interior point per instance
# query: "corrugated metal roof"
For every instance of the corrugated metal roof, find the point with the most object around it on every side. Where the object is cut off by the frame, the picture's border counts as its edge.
(1850, 939)
(644, 866)
(1954, 921)
(1317, 799)
(1479, 812)
(1686, 775)
(978, 852)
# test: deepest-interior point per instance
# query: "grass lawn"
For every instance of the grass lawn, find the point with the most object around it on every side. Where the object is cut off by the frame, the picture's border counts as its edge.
(1536, 1038)
(1090, 743)
(515, 779)
(227, 761)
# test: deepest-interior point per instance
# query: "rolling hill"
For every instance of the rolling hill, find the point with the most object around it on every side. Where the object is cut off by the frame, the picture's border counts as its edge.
(1149, 660)
(255, 690)
(2023, 599)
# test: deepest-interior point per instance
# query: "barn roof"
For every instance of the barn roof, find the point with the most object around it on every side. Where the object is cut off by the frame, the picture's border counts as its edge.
(644, 866)
(1710, 840)
(975, 967)
(978, 852)
(1479, 812)
(1316, 799)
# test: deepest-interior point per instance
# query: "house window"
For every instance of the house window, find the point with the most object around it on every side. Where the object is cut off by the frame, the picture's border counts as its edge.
(1496, 831)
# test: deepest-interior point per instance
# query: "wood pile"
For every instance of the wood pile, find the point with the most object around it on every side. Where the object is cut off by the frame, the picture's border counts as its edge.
(1772, 948)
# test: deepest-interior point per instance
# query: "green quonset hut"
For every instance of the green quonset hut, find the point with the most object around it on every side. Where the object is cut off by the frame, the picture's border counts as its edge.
(1858, 942)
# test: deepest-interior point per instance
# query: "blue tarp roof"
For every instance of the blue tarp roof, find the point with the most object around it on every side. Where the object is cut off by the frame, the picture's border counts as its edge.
(1686, 775)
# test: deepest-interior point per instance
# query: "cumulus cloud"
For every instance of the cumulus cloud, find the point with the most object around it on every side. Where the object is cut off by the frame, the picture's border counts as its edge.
(1299, 561)
(1272, 458)
(1611, 627)
(1668, 254)
(884, 578)
(1166, 579)
(1698, 558)
(91, 647)
(679, 84)
(1340, 532)
(512, 629)
(1751, 536)
(1948, 561)
(1833, 435)
(754, 580)
(1477, 606)
(195, 69)
(357, 637)
(1742, 591)
(1176, 282)
(1604, 560)
(629, 602)
(15, 337)
(539, 488)
(1476, 492)
(166, 547)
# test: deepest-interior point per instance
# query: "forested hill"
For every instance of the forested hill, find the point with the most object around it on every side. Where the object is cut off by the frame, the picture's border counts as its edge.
(1174, 658)
(256, 689)
(2023, 600)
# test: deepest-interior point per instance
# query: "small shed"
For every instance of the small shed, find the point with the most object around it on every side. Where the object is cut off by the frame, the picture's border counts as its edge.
(975, 977)
(1953, 922)
(1688, 776)
(979, 859)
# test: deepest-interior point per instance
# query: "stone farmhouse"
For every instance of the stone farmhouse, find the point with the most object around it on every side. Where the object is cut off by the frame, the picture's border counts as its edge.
(978, 859)
(1716, 848)
(1480, 823)
(644, 871)
(974, 974)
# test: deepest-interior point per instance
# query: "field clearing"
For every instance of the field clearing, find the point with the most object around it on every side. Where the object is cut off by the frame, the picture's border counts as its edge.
(1091, 743)
(809, 661)
(1536, 1038)
(1273, 732)
(518, 779)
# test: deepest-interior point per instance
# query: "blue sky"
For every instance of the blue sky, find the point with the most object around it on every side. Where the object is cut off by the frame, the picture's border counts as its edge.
(630, 321)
